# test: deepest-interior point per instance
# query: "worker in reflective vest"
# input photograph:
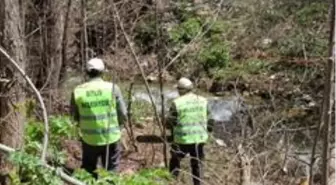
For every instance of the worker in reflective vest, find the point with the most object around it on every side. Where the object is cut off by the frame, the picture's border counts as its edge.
(98, 107)
(188, 119)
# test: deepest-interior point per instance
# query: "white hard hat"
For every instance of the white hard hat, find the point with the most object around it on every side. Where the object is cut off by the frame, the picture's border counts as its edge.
(184, 83)
(95, 63)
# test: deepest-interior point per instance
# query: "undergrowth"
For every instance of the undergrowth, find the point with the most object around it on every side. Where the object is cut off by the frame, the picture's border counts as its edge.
(29, 169)
(143, 177)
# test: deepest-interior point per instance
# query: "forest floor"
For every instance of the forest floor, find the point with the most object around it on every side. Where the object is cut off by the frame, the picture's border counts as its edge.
(147, 155)
(288, 97)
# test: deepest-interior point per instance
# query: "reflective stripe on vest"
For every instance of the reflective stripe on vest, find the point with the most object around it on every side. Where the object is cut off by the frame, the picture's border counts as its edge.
(97, 112)
(97, 117)
(101, 131)
(192, 119)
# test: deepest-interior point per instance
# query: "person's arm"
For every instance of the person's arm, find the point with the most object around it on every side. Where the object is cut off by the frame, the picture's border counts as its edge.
(73, 108)
(171, 120)
(121, 106)
(211, 121)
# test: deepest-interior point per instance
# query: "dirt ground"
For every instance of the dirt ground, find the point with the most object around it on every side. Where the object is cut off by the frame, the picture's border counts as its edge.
(148, 155)
(221, 164)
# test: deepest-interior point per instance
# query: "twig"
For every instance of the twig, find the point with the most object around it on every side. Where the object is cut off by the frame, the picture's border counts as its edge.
(84, 41)
(295, 129)
(193, 176)
(4, 80)
(32, 32)
(39, 97)
(245, 166)
(59, 172)
(161, 63)
(138, 64)
(129, 112)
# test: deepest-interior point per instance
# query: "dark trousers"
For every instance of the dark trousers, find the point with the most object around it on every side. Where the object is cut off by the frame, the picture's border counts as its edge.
(178, 152)
(92, 153)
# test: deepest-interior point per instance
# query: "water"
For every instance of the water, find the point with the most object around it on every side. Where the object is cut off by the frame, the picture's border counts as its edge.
(224, 111)
(221, 110)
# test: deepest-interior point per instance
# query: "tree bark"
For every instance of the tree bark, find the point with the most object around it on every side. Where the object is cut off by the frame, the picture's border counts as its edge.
(84, 38)
(11, 93)
(56, 34)
(328, 99)
(53, 24)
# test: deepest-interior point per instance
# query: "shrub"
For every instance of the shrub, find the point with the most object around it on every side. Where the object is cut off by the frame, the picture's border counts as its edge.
(250, 67)
(143, 177)
(30, 171)
(214, 55)
(186, 31)
(60, 127)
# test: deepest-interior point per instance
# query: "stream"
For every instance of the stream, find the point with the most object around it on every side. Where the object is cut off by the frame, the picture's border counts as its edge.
(221, 109)
(229, 112)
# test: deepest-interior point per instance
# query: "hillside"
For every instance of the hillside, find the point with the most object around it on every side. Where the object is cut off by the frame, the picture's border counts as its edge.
(261, 64)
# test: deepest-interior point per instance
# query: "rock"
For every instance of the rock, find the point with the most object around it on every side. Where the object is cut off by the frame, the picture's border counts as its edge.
(218, 87)
(220, 142)
(266, 42)
(152, 78)
(204, 83)
(273, 77)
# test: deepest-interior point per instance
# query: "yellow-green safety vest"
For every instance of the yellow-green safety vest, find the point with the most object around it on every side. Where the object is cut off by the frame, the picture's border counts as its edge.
(191, 125)
(98, 119)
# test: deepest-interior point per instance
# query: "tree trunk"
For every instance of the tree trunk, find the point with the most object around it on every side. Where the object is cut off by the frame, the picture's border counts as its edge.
(55, 34)
(328, 99)
(11, 93)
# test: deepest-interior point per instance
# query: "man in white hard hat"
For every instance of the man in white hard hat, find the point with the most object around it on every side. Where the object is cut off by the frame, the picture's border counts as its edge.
(98, 107)
(188, 119)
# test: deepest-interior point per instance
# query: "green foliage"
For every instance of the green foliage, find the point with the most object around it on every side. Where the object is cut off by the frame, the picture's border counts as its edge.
(60, 127)
(217, 30)
(144, 177)
(300, 44)
(307, 38)
(312, 15)
(249, 67)
(214, 55)
(145, 34)
(31, 171)
(183, 10)
(141, 109)
(186, 31)
(211, 52)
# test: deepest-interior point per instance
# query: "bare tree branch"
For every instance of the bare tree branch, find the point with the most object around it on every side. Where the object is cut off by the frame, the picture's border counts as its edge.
(139, 65)
(39, 97)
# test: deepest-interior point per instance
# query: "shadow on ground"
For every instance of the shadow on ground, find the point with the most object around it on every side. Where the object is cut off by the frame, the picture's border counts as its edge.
(152, 139)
